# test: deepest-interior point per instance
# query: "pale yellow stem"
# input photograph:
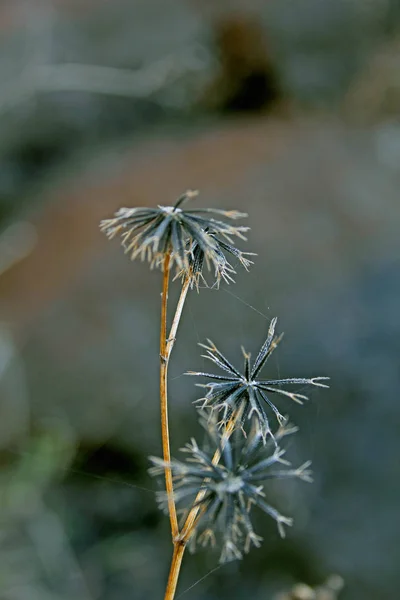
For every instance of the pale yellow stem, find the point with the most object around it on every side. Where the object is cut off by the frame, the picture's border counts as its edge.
(176, 564)
(164, 401)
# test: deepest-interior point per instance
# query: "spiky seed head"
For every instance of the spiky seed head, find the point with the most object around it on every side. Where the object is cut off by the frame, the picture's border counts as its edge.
(226, 492)
(223, 270)
(188, 237)
(235, 390)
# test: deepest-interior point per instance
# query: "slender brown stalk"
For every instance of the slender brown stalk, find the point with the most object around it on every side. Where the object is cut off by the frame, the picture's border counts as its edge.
(166, 346)
(177, 317)
(176, 563)
(164, 400)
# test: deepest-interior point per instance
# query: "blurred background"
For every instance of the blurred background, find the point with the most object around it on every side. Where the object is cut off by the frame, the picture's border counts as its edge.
(289, 111)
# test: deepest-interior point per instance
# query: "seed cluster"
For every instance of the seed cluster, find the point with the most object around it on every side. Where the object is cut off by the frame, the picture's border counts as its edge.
(226, 491)
(190, 238)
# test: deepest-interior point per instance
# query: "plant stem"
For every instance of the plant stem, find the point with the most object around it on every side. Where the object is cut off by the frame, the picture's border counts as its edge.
(166, 346)
(164, 400)
(177, 317)
(176, 563)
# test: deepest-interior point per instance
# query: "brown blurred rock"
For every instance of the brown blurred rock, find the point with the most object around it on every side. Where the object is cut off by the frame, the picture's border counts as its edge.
(67, 225)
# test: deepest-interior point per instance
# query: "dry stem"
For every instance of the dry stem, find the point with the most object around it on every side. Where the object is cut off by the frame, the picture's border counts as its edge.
(166, 346)
(164, 400)
(177, 317)
(176, 563)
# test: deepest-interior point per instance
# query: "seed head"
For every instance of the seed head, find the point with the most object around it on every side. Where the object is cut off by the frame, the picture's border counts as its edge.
(235, 391)
(229, 489)
(154, 233)
(222, 267)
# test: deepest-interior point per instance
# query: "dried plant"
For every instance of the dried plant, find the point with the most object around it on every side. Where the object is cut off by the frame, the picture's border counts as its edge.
(165, 232)
(223, 269)
(227, 490)
(218, 484)
(244, 391)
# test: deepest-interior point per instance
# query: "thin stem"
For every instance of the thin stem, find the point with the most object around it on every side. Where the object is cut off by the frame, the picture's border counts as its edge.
(191, 519)
(164, 400)
(177, 317)
(176, 563)
(166, 346)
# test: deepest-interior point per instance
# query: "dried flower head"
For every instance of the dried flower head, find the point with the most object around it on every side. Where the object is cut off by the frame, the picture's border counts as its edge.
(229, 489)
(154, 233)
(245, 392)
(222, 268)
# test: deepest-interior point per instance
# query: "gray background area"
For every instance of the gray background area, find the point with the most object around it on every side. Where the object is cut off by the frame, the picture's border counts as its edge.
(105, 105)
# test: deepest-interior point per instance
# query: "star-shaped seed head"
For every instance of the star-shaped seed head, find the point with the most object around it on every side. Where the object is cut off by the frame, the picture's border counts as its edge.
(225, 491)
(245, 392)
